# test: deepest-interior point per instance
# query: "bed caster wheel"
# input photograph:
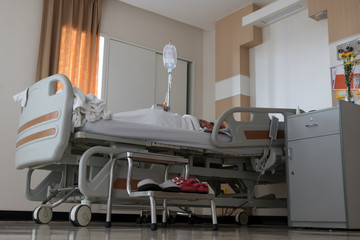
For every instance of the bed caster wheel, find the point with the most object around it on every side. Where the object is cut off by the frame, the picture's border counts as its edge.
(172, 220)
(139, 220)
(108, 224)
(42, 215)
(242, 218)
(215, 227)
(153, 226)
(191, 221)
(80, 215)
(145, 220)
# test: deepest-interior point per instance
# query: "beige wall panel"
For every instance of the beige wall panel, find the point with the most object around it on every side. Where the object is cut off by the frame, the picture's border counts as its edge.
(257, 38)
(226, 49)
(244, 35)
(343, 17)
(230, 35)
(153, 31)
(226, 103)
(245, 102)
(244, 61)
(334, 99)
(317, 6)
(230, 102)
(223, 49)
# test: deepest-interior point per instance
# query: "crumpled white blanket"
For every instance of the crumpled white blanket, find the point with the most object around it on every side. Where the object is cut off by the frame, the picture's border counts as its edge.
(158, 117)
(21, 97)
(90, 108)
(87, 108)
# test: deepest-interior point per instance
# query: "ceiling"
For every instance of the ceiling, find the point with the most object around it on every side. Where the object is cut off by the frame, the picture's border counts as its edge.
(199, 13)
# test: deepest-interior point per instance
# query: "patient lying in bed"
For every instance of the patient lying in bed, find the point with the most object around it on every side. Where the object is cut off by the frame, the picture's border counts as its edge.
(159, 117)
(90, 108)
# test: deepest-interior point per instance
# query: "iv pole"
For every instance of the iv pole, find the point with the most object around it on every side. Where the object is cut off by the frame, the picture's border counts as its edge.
(170, 60)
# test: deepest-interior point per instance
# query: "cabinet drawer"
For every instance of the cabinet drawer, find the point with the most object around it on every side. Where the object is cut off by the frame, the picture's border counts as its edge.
(313, 124)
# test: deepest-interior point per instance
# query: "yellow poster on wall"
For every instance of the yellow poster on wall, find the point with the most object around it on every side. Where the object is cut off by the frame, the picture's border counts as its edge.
(340, 94)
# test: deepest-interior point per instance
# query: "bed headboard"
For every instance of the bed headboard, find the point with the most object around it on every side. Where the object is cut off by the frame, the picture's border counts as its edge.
(45, 123)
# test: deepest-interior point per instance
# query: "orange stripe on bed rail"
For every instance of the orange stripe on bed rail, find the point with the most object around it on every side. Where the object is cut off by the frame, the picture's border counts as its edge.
(38, 135)
(38, 120)
(262, 134)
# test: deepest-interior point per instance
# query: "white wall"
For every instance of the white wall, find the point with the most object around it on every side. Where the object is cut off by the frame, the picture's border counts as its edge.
(136, 26)
(297, 44)
(20, 23)
(291, 67)
(208, 86)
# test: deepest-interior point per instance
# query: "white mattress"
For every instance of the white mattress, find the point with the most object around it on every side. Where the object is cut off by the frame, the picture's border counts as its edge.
(158, 117)
(170, 136)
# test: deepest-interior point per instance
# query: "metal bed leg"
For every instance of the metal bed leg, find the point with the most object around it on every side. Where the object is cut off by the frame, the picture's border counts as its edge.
(213, 214)
(164, 215)
(109, 202)
(153, 213)
(72, 190)
(186, 171)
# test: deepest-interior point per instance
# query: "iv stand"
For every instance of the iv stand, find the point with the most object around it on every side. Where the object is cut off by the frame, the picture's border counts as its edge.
(169, 59)
(166, 105)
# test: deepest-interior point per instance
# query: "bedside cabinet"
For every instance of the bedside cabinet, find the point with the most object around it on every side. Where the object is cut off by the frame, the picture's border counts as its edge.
(323, 168)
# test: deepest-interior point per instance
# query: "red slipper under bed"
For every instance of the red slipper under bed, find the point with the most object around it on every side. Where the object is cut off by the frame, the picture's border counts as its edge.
(191, 185)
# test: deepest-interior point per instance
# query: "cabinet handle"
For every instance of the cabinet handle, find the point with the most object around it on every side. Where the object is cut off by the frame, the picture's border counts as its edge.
(311, 125)
(290, 153)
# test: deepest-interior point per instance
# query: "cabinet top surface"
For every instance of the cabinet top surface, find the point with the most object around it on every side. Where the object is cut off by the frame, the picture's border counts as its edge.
(314, 112)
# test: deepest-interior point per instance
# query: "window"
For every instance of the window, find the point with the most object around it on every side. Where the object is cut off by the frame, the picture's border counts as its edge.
(101, 66)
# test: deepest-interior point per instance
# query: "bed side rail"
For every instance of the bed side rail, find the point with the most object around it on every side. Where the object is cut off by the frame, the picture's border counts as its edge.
(44, 123)
(249, 133)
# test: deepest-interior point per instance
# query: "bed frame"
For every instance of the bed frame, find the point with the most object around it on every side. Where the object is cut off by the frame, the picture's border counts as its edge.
(80, 173)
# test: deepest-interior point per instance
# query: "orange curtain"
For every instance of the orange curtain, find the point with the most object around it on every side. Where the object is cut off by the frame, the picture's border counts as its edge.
(70, 41)
(48, 57)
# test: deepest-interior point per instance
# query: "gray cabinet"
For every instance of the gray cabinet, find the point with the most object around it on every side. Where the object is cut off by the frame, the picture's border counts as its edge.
(323, 167)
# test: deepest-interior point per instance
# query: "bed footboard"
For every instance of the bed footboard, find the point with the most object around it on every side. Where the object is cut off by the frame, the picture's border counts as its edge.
(45, 123)
(249, 133)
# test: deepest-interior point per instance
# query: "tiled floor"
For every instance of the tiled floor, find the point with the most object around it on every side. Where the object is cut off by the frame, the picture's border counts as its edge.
(178, 231)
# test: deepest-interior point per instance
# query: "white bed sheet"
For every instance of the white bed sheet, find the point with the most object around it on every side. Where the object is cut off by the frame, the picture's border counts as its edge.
(158, 117)
(171, 136)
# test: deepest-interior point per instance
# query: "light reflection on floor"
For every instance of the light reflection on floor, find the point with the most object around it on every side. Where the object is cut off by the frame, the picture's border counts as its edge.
(179, 231)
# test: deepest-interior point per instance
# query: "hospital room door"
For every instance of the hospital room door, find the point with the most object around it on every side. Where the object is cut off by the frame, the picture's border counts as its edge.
(136, 78)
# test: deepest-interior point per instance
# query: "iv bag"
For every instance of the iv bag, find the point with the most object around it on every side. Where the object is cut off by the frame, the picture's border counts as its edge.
(169, 56)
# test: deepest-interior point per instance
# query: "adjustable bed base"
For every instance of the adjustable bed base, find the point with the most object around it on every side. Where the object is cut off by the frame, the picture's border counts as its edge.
(45, 142)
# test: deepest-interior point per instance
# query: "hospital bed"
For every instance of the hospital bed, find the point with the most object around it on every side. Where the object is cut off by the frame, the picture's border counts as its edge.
(78, 163)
